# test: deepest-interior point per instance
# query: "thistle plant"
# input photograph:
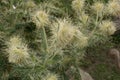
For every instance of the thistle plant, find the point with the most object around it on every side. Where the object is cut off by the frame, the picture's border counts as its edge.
(78, 5)
(113, 7)
(99, 8)
(63, 32)
(18, 51)
(40, 18)
(107, 27)
(60, 34)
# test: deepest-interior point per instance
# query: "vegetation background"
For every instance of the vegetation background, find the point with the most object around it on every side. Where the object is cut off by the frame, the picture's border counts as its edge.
(31, 50)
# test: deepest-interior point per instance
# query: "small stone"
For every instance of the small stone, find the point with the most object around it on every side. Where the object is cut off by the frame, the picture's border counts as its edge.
(85, 75)
(116, 54)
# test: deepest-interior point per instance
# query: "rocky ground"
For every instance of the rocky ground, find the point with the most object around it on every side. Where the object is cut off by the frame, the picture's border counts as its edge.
(104, 64)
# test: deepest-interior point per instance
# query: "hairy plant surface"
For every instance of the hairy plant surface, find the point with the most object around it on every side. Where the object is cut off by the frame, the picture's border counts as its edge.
(43, 39)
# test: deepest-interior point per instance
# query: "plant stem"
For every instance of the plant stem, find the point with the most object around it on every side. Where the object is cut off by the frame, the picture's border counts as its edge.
(44, 40)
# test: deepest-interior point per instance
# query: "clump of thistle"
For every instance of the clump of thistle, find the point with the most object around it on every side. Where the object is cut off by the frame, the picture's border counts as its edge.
(40, 18)
(63, 32)
(17, 51)
(78, 5)
(113, 7)
(69, 38)
(107, 27)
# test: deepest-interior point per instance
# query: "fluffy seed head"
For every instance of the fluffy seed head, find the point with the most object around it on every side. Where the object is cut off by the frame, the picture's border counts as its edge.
(107, 27)
(78, 5)
(63, 31)
(15, 40)
(114, 7)
(98, 7)
(18, 51)
(40, 18)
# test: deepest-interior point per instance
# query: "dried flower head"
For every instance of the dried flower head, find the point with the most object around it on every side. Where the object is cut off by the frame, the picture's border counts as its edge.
(107, 27)
(114, 7)
(40, 18)
(18, 52)
(98, 7)
(78, 5)
(63, 32)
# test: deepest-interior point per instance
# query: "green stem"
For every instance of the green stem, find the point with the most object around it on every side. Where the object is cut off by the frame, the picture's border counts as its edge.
(5, 75)
(96, 24)
(44, 40)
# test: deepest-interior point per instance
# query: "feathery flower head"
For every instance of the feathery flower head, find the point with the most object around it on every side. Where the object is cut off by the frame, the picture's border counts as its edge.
(40, 18)
(63, 31)
(107, 27)
(15, 41)
(78, 5)
(17, 55)
(98, 7)
(114, 7)
(18, 52)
